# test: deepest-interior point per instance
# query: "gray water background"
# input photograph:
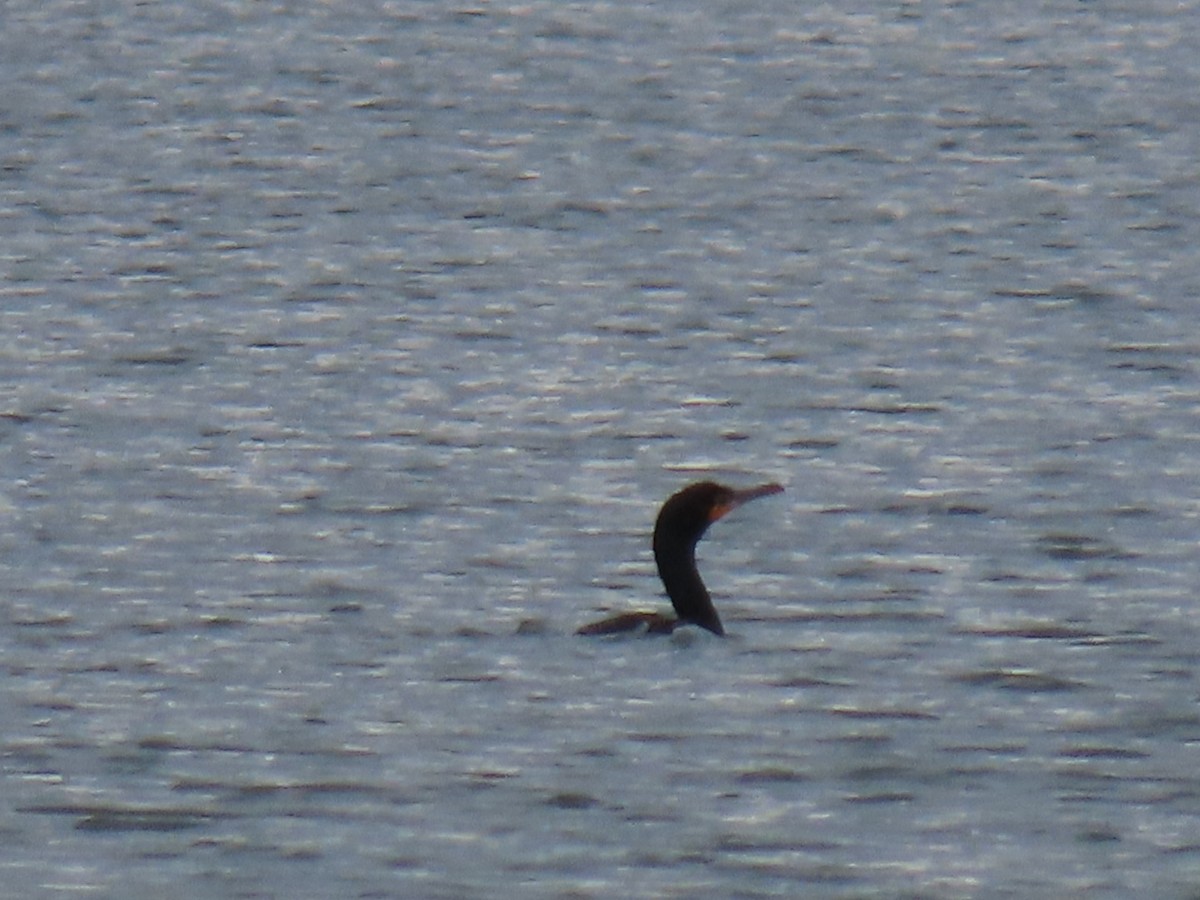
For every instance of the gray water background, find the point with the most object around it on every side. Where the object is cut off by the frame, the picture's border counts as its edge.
(348, 350)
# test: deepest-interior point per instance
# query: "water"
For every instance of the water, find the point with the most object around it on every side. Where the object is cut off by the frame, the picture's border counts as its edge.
(351, 350)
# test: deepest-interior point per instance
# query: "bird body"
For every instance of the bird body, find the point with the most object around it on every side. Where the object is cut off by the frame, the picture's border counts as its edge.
(681, 522)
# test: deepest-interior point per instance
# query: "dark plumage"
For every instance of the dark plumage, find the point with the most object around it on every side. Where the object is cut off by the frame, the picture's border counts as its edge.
(681, 523)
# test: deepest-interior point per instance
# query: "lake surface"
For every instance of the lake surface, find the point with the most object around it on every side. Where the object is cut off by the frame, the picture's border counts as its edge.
(349, 352)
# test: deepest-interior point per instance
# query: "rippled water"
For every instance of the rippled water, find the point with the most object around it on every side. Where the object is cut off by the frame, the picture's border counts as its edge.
(350, 352)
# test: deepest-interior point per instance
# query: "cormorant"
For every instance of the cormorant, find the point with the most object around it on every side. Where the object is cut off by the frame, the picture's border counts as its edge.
(681, 523)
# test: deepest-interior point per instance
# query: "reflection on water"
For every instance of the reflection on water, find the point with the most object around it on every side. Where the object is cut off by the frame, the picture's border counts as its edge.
(351, 355)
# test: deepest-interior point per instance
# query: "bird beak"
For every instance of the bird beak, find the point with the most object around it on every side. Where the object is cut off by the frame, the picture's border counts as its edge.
(737, 498)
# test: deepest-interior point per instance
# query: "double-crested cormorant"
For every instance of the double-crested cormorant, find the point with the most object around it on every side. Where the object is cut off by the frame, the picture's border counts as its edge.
(681, 523)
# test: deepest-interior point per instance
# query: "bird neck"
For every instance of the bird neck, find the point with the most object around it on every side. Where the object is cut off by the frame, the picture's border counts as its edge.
(676, 559)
